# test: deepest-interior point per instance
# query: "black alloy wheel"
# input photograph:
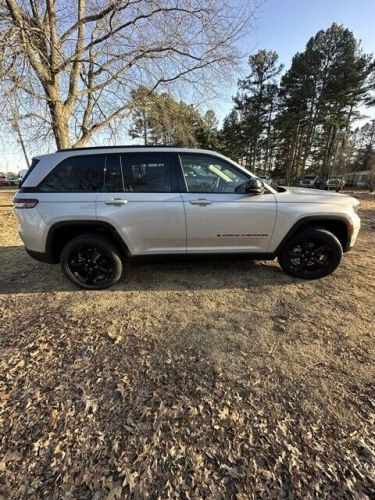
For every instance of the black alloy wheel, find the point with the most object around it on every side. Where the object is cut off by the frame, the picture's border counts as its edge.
(91, 262)
(311, 254)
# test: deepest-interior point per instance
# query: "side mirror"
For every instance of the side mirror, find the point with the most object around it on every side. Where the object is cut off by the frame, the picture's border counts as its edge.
(254, 186)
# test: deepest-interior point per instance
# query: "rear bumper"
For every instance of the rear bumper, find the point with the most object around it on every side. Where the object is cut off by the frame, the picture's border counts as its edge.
(31, 229)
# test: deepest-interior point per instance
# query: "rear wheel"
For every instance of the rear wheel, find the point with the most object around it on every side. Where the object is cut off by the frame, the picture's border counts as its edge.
(91, 262)
(311, 254)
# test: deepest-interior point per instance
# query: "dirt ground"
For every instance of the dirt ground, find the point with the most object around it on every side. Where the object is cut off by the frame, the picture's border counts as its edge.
(187, 380)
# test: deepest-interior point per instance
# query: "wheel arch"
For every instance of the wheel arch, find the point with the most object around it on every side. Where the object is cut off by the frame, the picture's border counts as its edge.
(339, 226)
(61, 232)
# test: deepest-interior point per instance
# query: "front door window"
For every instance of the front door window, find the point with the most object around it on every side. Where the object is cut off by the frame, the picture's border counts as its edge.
(204, 174)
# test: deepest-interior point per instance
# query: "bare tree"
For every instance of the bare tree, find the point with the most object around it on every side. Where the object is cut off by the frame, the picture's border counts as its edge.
(73, 64)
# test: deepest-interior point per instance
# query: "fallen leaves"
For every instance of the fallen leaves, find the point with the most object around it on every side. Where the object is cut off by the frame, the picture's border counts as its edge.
(93, 419)
(12, 456)
(93, 407)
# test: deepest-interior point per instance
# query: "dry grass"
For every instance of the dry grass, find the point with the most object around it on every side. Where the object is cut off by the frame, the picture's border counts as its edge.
(219, 379)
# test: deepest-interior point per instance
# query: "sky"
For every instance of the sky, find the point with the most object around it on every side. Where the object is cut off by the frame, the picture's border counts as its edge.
(281, 25)
(285, 26)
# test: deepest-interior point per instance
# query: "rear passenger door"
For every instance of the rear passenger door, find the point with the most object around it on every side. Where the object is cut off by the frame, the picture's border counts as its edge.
(141, 199)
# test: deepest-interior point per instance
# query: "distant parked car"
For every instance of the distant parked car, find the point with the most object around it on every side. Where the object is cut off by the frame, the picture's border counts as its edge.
(4, 181)
(362, 184)
(22, 174)
(336, 184)
(14, 180)
(308, 181)
(265, 179)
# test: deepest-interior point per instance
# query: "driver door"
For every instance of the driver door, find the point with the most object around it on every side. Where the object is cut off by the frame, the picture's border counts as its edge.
(220, 216)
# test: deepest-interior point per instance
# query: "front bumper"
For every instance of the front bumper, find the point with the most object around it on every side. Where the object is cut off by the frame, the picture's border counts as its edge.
(353, 230)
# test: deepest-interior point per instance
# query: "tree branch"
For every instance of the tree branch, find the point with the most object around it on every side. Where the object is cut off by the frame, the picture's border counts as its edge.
(90, 132)
(77, 64)
(112, 7)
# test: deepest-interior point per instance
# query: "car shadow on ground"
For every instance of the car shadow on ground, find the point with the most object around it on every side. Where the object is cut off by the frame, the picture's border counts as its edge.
(19, 273)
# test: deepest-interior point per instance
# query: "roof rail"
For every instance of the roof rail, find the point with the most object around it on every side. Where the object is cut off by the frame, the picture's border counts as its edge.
(120, 146)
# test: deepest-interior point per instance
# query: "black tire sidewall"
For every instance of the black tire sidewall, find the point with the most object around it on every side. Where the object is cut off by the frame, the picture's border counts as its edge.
(313, 234)
(105, 246)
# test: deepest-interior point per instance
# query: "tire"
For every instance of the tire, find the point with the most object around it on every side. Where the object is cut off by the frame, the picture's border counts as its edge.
(91, 262)
(312, 253)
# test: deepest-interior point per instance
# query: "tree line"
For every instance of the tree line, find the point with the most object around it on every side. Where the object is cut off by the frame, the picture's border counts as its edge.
(281, 125)
(71, 72)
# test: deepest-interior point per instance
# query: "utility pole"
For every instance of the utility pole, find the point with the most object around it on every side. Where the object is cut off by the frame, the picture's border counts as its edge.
(16, 128)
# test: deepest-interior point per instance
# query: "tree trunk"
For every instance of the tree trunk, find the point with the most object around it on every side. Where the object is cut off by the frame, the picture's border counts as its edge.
(330, 150)
(297, 164)
(268, 139)
(59, 117)
(343, 168)
(60, 127)
(259, 109)
(145, 125)
(290, 169)
(310, 136)
(324, 167)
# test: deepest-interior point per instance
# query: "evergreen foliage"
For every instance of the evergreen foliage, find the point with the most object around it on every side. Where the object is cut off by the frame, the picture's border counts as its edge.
(280, 126)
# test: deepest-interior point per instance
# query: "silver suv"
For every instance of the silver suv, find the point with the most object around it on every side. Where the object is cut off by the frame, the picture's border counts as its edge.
(91, 208)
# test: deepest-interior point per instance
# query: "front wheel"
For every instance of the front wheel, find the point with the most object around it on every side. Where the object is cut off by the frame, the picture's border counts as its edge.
(311, 254)
(91, 262)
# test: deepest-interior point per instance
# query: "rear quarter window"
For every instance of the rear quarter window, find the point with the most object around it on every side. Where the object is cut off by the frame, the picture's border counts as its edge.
(34, 163)
(77, 174)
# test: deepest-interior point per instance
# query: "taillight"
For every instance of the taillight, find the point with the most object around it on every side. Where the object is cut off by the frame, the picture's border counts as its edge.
(25, 203)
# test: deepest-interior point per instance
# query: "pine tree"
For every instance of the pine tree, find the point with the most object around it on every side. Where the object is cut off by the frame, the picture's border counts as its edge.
(142, 100)
(160, 119)
(231, 142)
(255, 102)
(320, 95)
(364, 160)
(206, 131)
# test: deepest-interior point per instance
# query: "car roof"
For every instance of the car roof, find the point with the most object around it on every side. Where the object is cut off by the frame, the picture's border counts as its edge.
(138, 148)
(61, 154)
(67, 152)
(48, 161)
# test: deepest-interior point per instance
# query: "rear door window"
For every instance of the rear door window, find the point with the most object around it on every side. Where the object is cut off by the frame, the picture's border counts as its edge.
(77, 174)
(146, 172)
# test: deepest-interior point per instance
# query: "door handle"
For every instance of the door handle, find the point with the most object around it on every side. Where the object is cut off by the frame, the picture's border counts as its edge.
(115, 201)
(201, 201)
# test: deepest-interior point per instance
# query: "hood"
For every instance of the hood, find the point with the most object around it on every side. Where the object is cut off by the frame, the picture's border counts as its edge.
(306, 195)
